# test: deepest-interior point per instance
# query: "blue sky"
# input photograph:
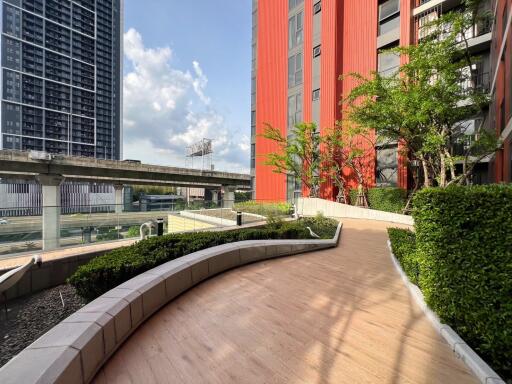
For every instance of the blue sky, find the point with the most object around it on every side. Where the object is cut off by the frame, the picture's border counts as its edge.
(187, 75)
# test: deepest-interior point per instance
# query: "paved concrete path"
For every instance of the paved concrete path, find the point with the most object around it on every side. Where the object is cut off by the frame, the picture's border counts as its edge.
(336, 316)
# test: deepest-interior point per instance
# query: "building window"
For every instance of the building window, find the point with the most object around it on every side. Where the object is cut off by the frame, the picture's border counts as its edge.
(253, 123)
(295, 70)
(295, 30)
(317, 7)
(389, 16)
(294, 110)
(316, 94)
(388, 63)
(294, 3)
(317, 51)
(386, 170)
(253, 156)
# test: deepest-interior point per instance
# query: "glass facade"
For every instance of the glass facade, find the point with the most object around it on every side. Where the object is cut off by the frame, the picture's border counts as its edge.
(61, 76)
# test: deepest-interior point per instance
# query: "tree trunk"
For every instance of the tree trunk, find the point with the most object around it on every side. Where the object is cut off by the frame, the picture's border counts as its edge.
(451, 166)
(442, 173)
(426, 176)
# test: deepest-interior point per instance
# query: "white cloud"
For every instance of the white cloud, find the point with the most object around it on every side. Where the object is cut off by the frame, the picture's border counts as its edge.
(166, 109)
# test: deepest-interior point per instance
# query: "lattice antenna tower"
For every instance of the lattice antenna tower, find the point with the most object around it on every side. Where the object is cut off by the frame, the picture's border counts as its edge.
(202, 151)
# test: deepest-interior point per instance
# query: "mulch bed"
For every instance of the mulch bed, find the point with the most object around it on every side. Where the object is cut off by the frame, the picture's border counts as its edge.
(32, 316)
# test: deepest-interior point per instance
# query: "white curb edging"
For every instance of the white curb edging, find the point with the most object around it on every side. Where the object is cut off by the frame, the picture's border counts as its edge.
(462, 351)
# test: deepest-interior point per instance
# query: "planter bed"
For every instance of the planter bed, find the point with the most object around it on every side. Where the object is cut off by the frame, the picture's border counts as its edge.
(77, 347)
(30, 317)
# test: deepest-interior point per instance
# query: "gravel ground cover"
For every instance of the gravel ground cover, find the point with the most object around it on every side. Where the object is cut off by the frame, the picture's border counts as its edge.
(30, 317)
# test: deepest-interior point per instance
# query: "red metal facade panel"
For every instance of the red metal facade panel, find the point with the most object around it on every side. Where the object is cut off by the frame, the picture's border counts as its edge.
(406, 38)
(502, 170)
(332, 21)
(359, 39)
(271, 91)
(308, 61)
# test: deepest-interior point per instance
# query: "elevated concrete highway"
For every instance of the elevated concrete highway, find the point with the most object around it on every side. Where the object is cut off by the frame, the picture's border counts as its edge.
(51, 170)
(17, 164)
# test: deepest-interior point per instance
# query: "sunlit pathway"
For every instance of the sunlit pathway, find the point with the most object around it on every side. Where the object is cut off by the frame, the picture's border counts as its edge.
(335, 316)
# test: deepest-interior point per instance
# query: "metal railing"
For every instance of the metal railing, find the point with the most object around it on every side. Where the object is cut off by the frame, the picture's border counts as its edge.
(91, 224)
(480, 81)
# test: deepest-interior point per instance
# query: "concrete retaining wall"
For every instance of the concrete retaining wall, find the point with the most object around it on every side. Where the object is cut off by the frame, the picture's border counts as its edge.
(75, 349)
(50, 274)
(312, 206)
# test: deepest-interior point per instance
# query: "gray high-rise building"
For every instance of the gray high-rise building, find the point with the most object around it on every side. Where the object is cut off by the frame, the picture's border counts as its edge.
(62, 76)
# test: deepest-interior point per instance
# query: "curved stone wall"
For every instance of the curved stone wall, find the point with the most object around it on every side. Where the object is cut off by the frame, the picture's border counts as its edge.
(75, 349)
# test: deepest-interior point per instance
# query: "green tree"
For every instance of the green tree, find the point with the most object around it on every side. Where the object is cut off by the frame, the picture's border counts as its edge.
(333, 160)
(297, 154)
(346, 149)
(427, 103)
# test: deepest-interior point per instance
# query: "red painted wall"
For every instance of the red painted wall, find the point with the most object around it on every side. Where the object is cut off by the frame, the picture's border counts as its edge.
(407, 37)
(349, 44)
(502, 90)
(359, 54)
(308, 62)
(271, 91)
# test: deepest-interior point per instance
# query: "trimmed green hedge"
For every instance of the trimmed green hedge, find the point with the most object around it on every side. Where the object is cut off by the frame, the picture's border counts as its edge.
(403, 244)
(264, 208)
(464, 248)
(115, 267)
(387, 199)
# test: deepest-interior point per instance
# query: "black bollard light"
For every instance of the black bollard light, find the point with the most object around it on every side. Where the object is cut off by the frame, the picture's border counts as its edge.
(159, 227)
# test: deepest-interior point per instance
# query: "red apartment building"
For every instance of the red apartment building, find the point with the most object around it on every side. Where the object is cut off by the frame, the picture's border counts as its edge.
(301, 47)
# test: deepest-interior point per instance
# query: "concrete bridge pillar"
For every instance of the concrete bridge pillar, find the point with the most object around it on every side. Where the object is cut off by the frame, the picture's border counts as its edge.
(51, 210)
(229, 196)
(215, 197)
(118, 190)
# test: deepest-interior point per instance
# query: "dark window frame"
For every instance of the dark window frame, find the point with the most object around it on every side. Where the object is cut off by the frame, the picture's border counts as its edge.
(317, 51)
(317, 7)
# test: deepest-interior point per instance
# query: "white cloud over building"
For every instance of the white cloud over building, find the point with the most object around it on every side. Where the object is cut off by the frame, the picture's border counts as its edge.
(166, 109)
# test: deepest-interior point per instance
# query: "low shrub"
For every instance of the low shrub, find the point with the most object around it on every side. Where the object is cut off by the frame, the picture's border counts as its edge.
(115, 267)
(133, 231)
(403, 245)
(264, 208)
(464, 248)
(108, 235)
(321, 225)
(387, 199)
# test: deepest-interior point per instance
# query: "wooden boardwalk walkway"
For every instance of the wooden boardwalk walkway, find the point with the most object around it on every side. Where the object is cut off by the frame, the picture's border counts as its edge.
(336, 316)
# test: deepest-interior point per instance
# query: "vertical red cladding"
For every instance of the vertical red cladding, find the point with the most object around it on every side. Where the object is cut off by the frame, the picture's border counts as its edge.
(271, 91)
(507, 149)
(406, 38)
(307, 112)
(330, 70)
(358, 54)
(503, 88)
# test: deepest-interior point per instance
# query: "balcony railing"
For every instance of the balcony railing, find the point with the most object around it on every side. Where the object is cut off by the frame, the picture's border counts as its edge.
(480, 81)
